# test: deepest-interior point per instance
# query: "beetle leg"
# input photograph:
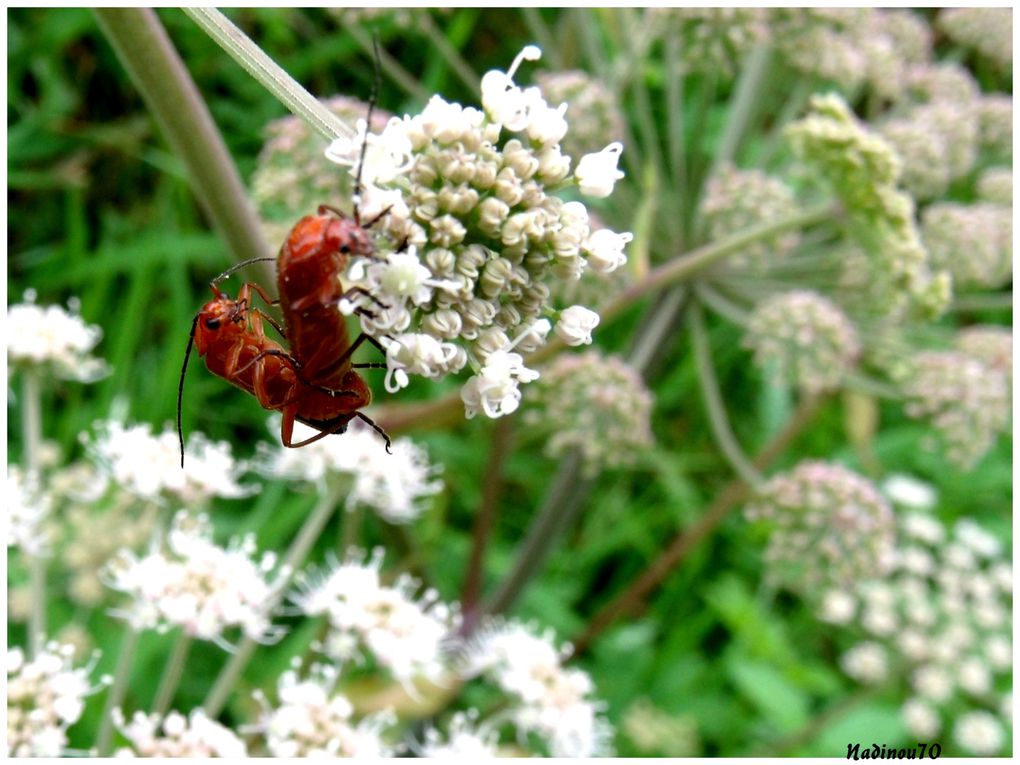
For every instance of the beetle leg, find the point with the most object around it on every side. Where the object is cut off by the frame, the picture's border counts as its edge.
(377, 429)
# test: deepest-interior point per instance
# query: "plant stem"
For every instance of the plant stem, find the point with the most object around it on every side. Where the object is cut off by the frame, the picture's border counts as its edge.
(31, 429)
(456, 61)
(562, 504)
(989, 301)
(742, 106)
(675, 116)
(349, 528)
(295, 556)
(492, 491)
(270, 74)
(714, 404)
(172, 675)
(731, 495)
(118, 690)
(159, 74)
(721, 304)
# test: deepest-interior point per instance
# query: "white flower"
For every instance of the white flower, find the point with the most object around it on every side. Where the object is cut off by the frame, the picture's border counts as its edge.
(933, 683)
(920, 718)
(974, 677)
(418, 354)
(464, 740)
(979, 733)
(506, 103)
(387, 155)
(394, 484)
(597, 173)
(149, 465)
(196, 585)
(192, 736)
(909, 492)
(576, 324)
(45, 696)
(494, 390)
(313, 720)
(837, 607)
(977, 539)
(27, 511)
(405, 634)
(51, 335)
(866, 662)
(605, 249)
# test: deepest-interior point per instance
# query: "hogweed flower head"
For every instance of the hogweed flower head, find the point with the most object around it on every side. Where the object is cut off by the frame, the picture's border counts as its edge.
(196, 585)
(979, 733)
(394, 485)
(177, 736)
(943, 81)
(148, 465)
(551, 700)
(973, 242)
(28, 511)
(805, 338)
(923, 153)
(53, 339)
(909, 492)
(990, 344)
(736, 200)
(594, 403)
(989, 31)
(864, 171)
(995, 124)
(402, 631)
(465, 738)
(471, 192)
(940, 616)
(313, 719)
(822, 42)
(995, 186)
(45, 696)
(715, 40)
(828, 526)
(964, 400)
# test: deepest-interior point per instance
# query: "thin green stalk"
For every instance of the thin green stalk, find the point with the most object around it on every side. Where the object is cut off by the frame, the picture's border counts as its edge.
(722, 305)
(991, 301)
(792, 107)
(272, 76)
(460, 67)
(657, 329)
(31, 413)
(714, 404)
(675, 115)
(646, 119)
(172, 674)
(159, 74)
(543, 37)
(388, 64)
(115, 697)
(742, 106)
(350, 528)
(562, 504)
(294, 558)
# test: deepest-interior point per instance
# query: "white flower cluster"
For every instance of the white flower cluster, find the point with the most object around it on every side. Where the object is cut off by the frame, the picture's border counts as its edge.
(312, 719)
(990, 344)
(965, 401)
(594, 403)
(805, 338)
(464, 739)
(989, 31)
(394, 485)
(936, 143)
(973, 242)
(177, 736)
(45, 696)
(551, 700)
(995, 124)
(53, 338)
(941, 616)
(737, 200)
(468, 190)
(942, 82)
(193, 584)
(28, 510)
(828, 525)
(402, 632)
(822, 42)
(995, 185)
(149, 466)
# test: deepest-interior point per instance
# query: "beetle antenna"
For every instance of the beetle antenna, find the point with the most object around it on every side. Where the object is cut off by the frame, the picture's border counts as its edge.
(237, 267)
(180, 386)
(368, 126)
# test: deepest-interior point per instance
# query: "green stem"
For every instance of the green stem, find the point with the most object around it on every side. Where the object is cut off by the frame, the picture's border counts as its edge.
(675, 115)
(991, 301)
(172, 675)
(155, 67)
(270, 74)
(456, 61)
(294, 558)
(721, 304)
(742, 106)
(562, 504)
(118, 690)
(32, 437)
(349, 528)
(714, 403)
